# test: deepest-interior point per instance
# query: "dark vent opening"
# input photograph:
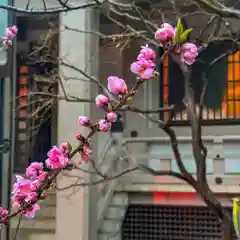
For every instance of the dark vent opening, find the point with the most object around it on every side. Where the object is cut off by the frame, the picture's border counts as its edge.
(154, 222)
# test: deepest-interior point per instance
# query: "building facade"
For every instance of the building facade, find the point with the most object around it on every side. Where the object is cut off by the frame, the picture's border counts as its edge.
(123, 208)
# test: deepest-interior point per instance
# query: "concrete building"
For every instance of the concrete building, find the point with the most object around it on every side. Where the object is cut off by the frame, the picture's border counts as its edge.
(133, 206)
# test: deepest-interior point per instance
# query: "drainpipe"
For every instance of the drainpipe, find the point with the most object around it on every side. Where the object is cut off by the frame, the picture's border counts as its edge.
(7, 149)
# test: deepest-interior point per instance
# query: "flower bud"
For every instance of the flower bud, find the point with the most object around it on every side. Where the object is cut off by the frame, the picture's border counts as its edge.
(101, 100)
(111, 116)
(104, 125)
(84, 121)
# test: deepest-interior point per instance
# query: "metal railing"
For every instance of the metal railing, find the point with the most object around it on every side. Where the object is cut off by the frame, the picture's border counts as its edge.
(113, 152)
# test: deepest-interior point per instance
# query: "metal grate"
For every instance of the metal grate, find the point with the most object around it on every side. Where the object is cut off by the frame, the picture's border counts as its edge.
(154, 222)
(222, 99)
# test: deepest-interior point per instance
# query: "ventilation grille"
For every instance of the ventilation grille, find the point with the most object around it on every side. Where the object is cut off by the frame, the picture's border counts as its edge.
(151, 222)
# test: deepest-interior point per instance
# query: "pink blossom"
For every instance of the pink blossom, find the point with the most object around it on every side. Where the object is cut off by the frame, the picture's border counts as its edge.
(143, 68)
(165, 33)
(22, 185)
(64, 148)
(86, 152)
(34, 170)
(57, 159)
(189, 52)
(84, 121)
(104, 125)
(101, 100)
(6, 42)
(11, 31)
(3, 212)
(111, 116)
(146, 53)
(117, 85)
(42, 177)
(23, 193)
(10, 34)
(31, 211)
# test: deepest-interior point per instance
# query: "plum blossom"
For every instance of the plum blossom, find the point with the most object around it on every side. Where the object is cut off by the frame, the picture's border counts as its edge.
(30, 212)
(165, 33)
(189, 52)
(111, 116)
(101, 100)
(146, 53)
(117, 85)
(3, 212)
(143, 68)
(104, 125)
(10, 34)
(84, 121)
(24, 192)
(34, 170)
(57, 159)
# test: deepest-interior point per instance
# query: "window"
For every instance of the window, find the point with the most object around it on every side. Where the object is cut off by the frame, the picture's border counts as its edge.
(222, 99)
(34, 116)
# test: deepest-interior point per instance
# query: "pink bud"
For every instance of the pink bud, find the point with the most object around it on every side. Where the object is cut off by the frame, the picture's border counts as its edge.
(189, 47)
(117, 85)
(84, 121)
(86, 152)
(165, 33)
(111, 116)
(101, 100)
(189, 52)
(5, 212)
(43, 196)
(9, 32)
(79, 136)
(146, 53)
(104, 125)
(14, 29)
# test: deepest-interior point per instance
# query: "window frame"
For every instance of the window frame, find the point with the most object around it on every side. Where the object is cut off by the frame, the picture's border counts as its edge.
(204, 122)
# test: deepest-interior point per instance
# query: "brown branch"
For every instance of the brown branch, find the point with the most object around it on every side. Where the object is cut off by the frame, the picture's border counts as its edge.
(147, 111)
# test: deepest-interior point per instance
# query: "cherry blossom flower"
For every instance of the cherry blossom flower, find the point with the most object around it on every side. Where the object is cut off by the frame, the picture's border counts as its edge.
(189, 52)
(57, 159)
(104, 125)
(84, 121)
(111, 116)
(34, 170)
(30, 212)
(165, 33)
(143, 68)
(117, 85)
(10, 34)
(146, 53)
(101, 100)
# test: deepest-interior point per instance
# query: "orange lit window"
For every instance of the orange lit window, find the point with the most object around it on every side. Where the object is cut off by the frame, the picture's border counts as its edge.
(229, 106)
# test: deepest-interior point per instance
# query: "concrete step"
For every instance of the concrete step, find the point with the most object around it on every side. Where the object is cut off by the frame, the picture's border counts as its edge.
(111, 226)
(115, 212)
(119, 199)
(32, 234)
(109, 236)
(34, 224)
(46, 212)
(50, 200)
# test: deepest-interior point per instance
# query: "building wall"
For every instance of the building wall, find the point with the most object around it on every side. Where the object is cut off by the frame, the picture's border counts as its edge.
(75, 212)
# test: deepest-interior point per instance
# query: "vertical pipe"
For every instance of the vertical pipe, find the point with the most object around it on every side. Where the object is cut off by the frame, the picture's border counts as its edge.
(9, 126)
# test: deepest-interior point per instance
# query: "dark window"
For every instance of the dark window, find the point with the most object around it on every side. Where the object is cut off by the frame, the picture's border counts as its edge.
(222, 99)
